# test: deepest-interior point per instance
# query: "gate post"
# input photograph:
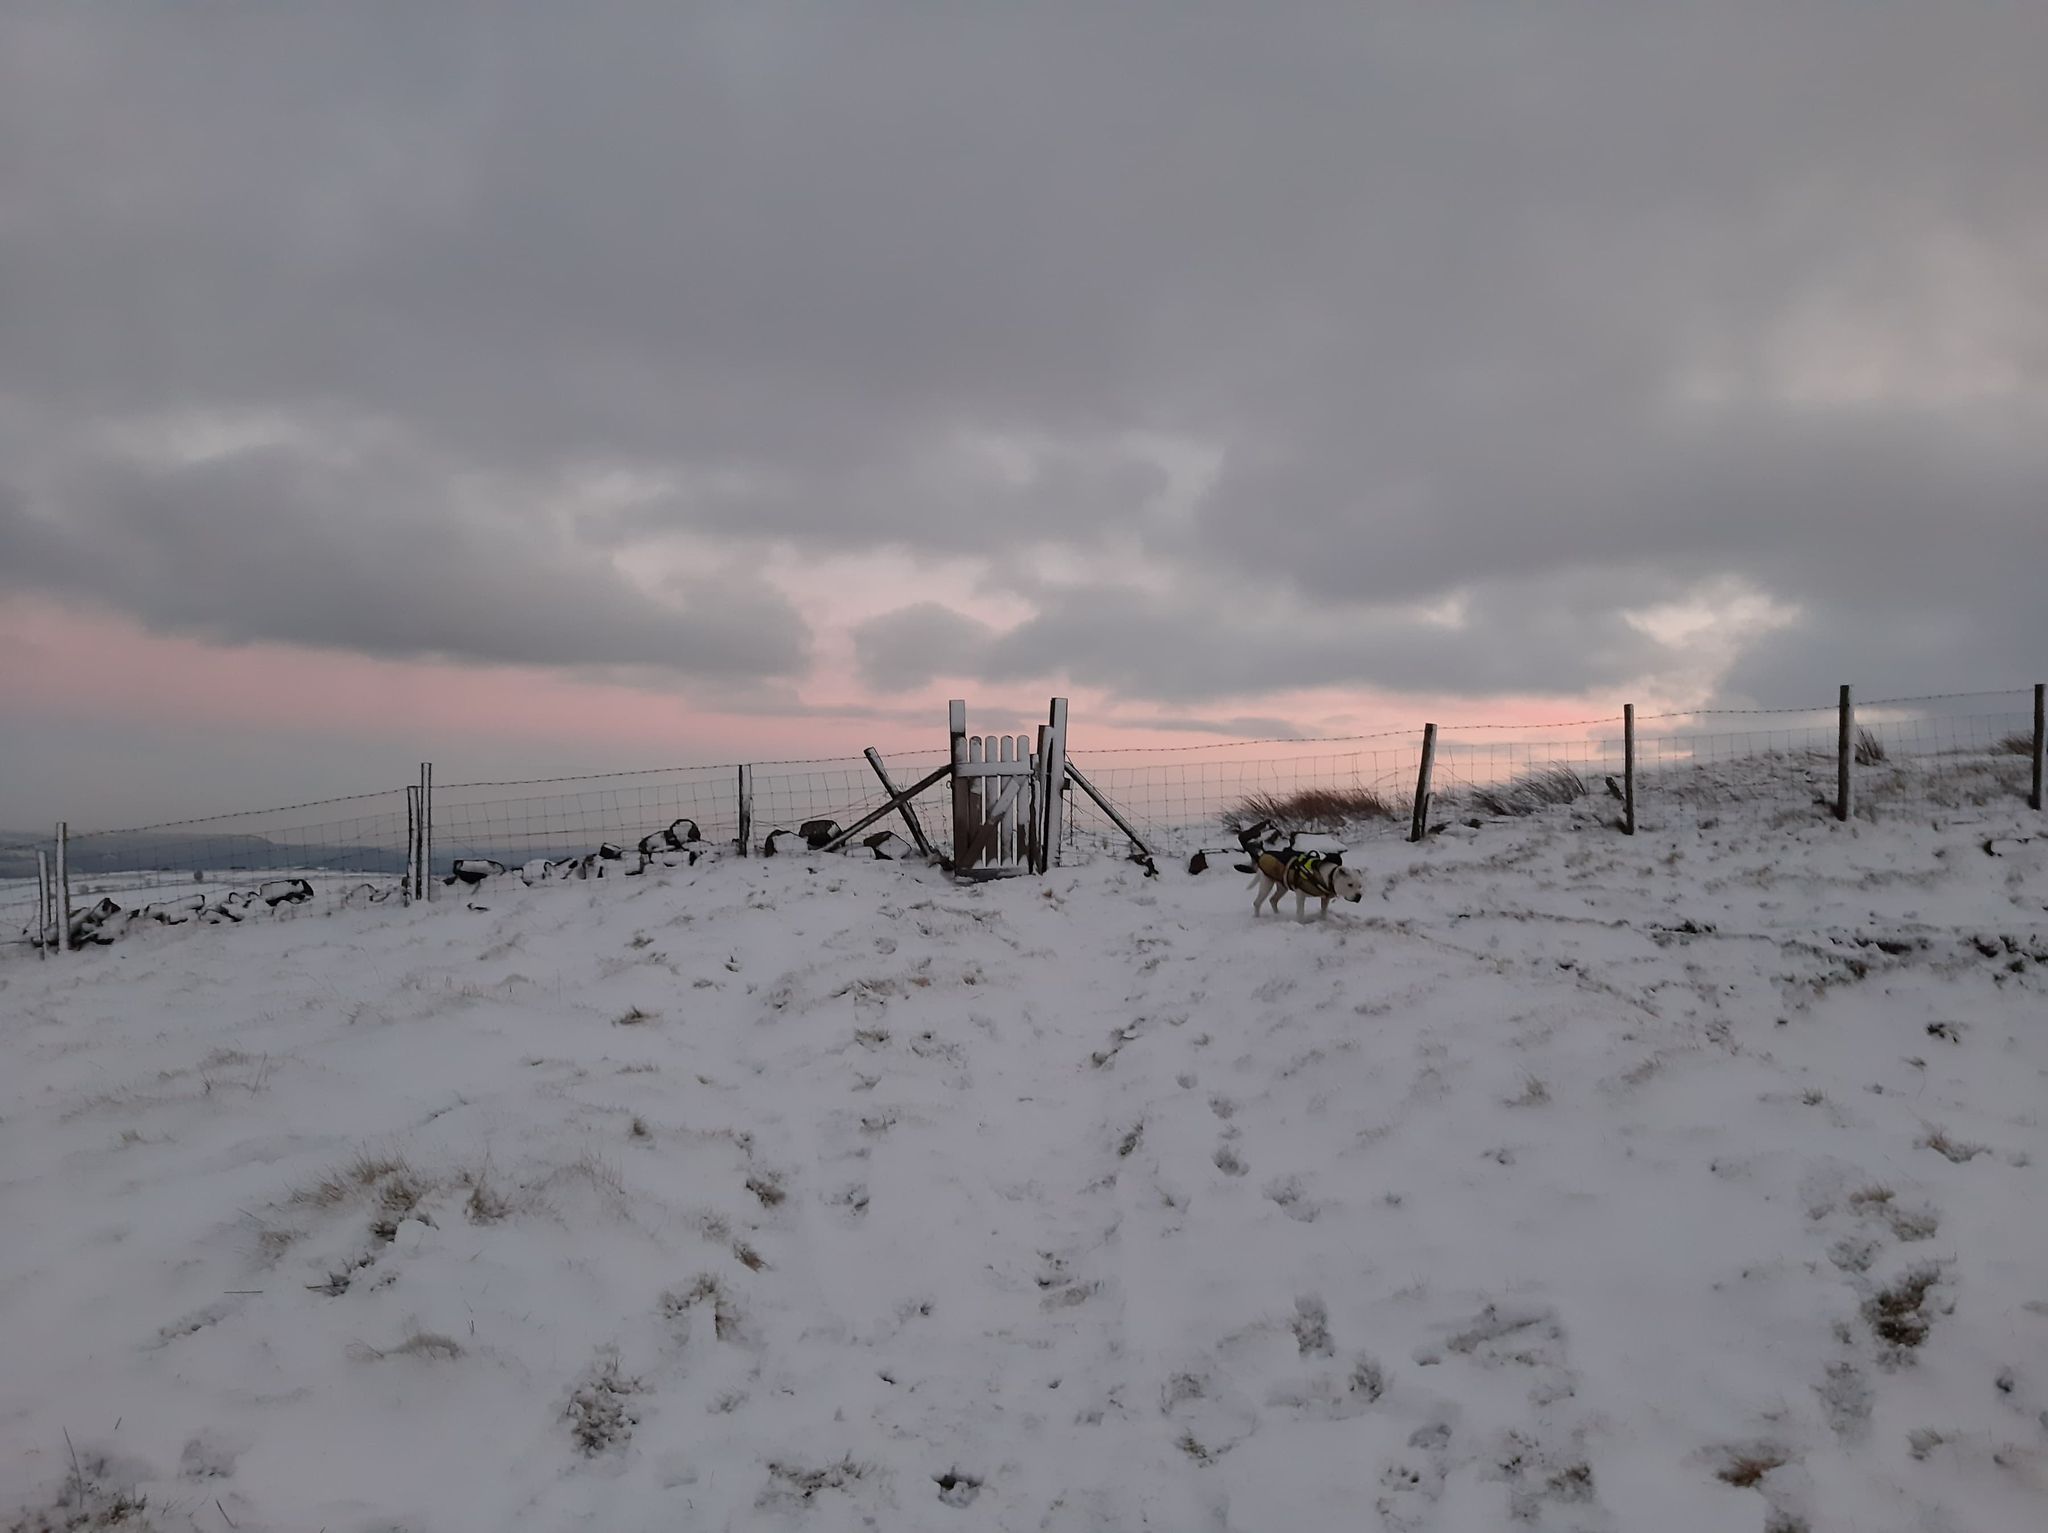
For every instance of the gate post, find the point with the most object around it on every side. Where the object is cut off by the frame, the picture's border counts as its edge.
(966, 824)
(1053, 768)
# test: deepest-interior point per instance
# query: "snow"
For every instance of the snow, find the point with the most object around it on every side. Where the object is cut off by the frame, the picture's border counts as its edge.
(1688, 1182)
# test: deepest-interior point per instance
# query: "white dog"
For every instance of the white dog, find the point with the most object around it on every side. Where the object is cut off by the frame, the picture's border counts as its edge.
(1306, 876)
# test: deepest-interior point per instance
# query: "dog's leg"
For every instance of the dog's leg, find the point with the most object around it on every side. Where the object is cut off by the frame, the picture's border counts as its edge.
(1259, 899)
(1300, 906)
(1278, 890)
(1324, 913)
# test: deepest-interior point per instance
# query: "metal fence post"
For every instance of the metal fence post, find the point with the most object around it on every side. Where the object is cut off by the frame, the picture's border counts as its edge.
(1628, 768)
(45, 898)
(1419, 826)
(63, 885)
(412, 842)
(2040, 739)
(1845, 757)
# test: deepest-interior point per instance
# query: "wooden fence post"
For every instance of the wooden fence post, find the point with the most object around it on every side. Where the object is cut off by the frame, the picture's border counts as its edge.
(62, 888)
(1845, 758)
(1053, 769)
(1628, 768)
(909, 814)
(1419, 826)
(2040, 739)
(966, 818)
(746, 809)
(896, 802)
(44, 900)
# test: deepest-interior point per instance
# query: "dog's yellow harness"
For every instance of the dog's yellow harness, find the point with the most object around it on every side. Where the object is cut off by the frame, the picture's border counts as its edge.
(1305, 874)
(1301, 872)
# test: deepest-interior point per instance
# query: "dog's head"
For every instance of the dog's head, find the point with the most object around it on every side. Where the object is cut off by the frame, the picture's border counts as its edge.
(1345, 884)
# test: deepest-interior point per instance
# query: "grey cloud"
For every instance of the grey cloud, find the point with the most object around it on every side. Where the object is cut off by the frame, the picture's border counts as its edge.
(1427, 279)
(917, 644)
(379, 559)
(1192, 647)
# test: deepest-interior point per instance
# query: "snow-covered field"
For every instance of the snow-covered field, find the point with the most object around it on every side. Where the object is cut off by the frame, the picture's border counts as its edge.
(1568, 1182)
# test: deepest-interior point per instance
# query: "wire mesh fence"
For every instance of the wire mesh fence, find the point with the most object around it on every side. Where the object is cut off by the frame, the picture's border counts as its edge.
(1950, 751)
(331, 846)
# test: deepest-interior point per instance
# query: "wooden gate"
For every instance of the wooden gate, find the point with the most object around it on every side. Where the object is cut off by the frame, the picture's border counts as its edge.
(1006, 797)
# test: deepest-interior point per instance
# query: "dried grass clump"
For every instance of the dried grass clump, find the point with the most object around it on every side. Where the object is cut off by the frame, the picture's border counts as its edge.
(1326, 809)
(1745, 1470)
(1898, 1314)
(359, 1176)
(1530, 792)
(1870, 750)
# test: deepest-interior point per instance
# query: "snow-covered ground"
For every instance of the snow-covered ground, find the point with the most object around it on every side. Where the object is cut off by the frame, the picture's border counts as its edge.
(1567, 1182)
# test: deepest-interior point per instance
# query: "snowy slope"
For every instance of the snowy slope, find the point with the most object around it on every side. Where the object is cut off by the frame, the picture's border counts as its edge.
(1568, 1182)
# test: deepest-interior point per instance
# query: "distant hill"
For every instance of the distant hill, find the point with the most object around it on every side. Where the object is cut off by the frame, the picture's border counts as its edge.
(174, 852)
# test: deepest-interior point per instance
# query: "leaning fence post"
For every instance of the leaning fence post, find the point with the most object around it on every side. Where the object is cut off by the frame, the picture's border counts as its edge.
(63, 885)
(1628, 769)
(2040, 740)
(1845, 756)
(909, 814)
(43, 902)
(746, 808)
(1419, 826)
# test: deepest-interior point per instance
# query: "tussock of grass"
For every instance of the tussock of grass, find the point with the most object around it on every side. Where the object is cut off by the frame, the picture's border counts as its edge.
(632, 1016)
(485, 1204)
(1870, 750)
(427, 1344)
(794, 1479)
(358, 1177)
(705, 1288)
(1898, 1314)
(1745, 1470)
(1956, 1150)
(600, 1413)
(2016, 745)
(1328, 809)
(1530, 792)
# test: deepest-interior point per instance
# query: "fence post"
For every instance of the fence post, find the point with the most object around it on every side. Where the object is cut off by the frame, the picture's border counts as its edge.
(2040, 739)
(909, 814)
(966, 818)
(63, 885)
(1845, 757)
(1054, 767)
(746, 808)
(1628, 768)
(412, 842)
(43, 902)
(1419, 826)
(423, 835)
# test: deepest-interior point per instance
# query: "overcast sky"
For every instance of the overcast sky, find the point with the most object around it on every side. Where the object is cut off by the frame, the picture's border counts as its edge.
(559, 386)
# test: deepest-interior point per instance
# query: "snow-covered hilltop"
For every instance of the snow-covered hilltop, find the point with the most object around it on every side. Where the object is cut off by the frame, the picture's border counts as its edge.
(1568, 1182)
